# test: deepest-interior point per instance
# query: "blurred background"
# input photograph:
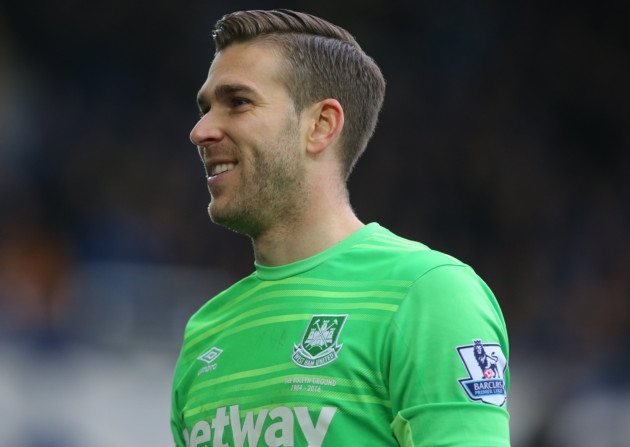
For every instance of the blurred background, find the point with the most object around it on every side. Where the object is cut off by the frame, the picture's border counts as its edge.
(504, 141)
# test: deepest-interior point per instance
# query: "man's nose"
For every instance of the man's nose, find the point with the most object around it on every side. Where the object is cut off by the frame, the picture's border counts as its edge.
(207, 130)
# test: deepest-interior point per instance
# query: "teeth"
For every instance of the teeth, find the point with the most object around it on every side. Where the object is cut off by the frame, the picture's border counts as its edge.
(218, 169)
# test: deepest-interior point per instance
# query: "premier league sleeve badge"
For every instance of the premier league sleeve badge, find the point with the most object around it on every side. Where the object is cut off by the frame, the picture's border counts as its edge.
(486, 365)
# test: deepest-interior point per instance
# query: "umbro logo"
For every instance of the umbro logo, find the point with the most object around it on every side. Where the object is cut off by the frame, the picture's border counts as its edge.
(209, 357)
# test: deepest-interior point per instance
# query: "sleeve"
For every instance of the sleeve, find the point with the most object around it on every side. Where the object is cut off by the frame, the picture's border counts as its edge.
(177, 424)
(176, 427)
(447, 371)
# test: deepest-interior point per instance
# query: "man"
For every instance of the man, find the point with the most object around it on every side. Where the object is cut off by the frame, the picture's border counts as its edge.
(345, 334)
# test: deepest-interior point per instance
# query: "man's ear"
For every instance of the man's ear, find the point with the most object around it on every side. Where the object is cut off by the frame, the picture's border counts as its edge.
(325, 125)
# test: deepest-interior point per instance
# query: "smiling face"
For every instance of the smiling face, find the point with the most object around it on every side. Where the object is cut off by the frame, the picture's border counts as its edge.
(250, 141)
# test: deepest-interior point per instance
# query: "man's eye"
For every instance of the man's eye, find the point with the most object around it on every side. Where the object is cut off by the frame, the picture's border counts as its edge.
(237, 102)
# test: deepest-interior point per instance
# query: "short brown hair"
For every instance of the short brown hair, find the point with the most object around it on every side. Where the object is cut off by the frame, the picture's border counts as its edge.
(324, 61)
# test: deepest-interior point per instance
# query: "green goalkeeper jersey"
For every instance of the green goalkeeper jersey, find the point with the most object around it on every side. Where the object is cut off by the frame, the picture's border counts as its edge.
(377, 341)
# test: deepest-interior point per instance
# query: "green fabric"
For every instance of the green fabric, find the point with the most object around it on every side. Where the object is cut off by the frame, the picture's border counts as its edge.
(354, 346)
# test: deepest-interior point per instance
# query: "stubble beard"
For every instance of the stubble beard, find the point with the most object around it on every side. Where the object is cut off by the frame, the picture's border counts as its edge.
(272, 191)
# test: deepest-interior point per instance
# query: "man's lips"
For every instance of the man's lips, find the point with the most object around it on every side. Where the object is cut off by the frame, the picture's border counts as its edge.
(219, 168)
(218, 165)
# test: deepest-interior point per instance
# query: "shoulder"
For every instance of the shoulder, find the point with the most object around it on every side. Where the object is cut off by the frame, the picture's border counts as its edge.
(383, 250)
(434, 278)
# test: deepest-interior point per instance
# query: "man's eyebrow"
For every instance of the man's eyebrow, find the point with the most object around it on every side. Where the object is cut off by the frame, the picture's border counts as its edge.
(230, 89)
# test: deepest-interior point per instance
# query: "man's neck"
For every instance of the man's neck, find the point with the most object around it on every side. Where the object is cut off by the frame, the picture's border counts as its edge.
(305, 237)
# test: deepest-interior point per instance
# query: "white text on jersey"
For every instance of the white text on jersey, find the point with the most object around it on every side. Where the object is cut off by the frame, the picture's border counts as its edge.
(279, 433)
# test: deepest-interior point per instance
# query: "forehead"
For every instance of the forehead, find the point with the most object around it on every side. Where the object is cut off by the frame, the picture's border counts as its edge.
(253, 65)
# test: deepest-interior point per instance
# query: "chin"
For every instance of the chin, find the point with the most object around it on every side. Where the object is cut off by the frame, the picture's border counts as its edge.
(237, 223)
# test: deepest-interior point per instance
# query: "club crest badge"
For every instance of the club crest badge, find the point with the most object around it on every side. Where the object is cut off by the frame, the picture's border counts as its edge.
(486, 367)
(319, 345)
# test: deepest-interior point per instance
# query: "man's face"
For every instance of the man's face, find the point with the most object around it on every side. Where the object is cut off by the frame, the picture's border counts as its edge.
(249, 139)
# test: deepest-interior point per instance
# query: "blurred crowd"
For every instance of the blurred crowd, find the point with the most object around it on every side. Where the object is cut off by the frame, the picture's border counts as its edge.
(504, 141)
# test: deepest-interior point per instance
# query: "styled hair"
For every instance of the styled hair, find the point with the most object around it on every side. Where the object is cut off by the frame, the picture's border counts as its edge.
(322, 61)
